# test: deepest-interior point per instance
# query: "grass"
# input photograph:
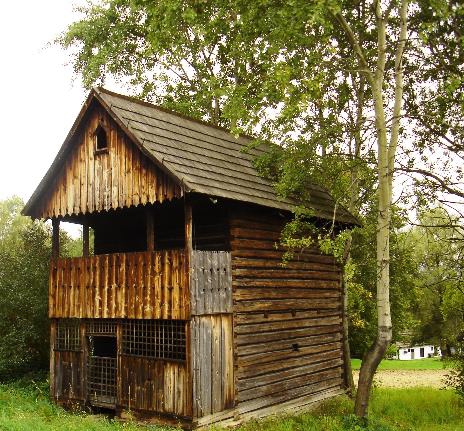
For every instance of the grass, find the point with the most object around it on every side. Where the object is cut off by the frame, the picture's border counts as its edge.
(391, 410)
(25, 406)
(396, 364)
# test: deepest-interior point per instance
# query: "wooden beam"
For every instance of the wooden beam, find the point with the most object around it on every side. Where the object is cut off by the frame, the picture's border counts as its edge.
(189, 337)
(150, 229)
(52, 358)
(85, 240)
(55, 238)
(188, 229)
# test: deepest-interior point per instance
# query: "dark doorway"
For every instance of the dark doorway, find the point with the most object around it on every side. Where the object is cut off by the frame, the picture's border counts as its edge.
(422, 352)
(101, 370)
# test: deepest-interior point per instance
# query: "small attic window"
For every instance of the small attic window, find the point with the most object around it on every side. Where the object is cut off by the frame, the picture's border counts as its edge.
(101, 139)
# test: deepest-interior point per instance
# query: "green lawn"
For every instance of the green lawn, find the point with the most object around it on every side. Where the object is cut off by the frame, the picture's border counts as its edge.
(396, 364)
(25, 407)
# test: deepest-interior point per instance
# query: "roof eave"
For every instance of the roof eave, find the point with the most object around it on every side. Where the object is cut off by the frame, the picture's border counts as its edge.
(29, 208)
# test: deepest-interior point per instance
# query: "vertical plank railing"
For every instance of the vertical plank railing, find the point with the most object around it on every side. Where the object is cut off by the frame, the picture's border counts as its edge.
(140, 285)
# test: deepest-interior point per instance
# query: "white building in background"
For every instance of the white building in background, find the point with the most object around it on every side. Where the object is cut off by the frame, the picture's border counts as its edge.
(417, 352)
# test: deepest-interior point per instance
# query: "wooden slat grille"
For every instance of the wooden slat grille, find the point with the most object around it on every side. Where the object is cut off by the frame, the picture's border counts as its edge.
(101, 327)
(68, 335)
(101, 380)
(158, 339)
(143, 285)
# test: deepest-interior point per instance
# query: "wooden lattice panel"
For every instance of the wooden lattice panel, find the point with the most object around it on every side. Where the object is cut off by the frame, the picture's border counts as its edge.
(159, 339)
(68, 335)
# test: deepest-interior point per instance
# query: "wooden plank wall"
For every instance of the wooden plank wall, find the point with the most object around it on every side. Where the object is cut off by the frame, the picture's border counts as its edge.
(211, 282)
(142, 285)
(144, 384)
(287, 320)
(68, 376)
(92, 181)
(213, 377)
(211, 332)
(154, 385)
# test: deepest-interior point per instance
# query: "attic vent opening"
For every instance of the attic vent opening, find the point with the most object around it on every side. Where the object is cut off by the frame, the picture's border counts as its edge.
(101, 139)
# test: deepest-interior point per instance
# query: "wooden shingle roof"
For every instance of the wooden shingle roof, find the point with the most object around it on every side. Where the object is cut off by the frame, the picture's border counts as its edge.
(204, 159)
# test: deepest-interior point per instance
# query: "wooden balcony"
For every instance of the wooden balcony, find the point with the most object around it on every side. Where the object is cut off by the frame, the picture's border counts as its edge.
(142, 285)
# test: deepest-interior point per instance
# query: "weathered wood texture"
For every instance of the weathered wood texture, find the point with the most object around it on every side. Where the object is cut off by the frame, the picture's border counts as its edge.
(287, 319)
(212, 356)
(144, 285)
(90, 181)
(211, 282)
(68, 376)
(145, 384)
(154, 385)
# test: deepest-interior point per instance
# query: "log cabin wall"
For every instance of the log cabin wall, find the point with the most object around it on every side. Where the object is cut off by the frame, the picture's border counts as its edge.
(92, 180)
(287, 320)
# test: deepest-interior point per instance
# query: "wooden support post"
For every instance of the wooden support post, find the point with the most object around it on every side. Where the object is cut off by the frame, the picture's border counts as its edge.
(85, 240)
(150, 229)
(55, 238)
(189, 340)
(52, 358)
(188, 228)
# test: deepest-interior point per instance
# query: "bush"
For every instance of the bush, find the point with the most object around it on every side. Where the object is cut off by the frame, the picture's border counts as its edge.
(24, 256)
(455, 377)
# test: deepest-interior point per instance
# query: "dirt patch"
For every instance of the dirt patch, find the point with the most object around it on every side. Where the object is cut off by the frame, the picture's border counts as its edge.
(407, 379)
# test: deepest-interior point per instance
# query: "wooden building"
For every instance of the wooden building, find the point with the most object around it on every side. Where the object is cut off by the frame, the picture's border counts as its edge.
(183, 311)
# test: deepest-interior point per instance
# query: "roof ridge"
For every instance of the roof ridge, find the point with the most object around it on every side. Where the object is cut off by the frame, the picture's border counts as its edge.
(170, 111)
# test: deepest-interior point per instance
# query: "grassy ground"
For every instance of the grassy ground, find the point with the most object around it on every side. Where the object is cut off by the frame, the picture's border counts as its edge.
(25, 407)
(396, 364)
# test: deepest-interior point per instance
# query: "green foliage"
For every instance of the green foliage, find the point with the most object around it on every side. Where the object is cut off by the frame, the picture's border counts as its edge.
(25, 406)
(24, 255)
(362, 284)
(455, 377)
(418, 409)
(396, 364)
(439, 287)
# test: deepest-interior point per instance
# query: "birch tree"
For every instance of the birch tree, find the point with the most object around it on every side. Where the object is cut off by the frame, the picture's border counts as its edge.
(387, 144)
(322, 79)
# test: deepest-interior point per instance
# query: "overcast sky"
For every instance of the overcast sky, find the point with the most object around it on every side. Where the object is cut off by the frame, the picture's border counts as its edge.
(39, 100)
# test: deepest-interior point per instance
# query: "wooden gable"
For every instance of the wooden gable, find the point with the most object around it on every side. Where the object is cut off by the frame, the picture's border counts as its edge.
(92, 180)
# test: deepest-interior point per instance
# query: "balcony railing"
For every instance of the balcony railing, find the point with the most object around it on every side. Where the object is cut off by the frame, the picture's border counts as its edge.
(142, 285)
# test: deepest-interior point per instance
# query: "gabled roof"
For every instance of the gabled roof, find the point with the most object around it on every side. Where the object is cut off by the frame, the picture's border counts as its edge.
(202, 158)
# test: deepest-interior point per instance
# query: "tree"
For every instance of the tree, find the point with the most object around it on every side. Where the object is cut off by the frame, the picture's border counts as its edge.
(289, 72)
(25, 249)
(404, 272)
(438, 250)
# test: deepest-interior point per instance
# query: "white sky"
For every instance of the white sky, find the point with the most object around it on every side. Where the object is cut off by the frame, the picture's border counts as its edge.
(40, 96)
(39, 100)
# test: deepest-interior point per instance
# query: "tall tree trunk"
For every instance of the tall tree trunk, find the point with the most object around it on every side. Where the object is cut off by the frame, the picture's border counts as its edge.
(354, 195)
(385, 165)
(348, 371)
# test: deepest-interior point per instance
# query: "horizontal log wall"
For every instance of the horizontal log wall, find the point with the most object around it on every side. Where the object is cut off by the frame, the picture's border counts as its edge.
(92, 181)
(287, 320)
(143, 285)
